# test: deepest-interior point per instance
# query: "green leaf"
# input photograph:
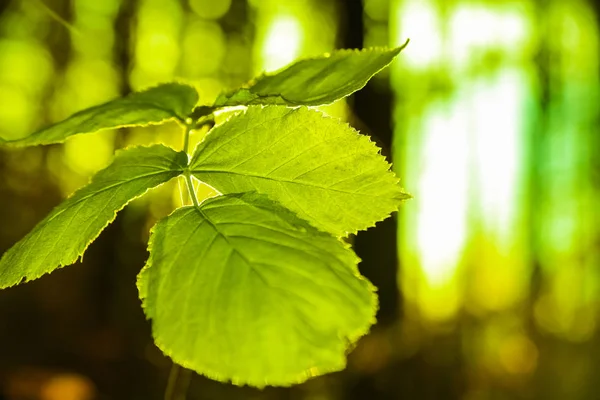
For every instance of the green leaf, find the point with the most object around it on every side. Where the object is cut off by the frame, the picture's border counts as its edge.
(151, 106)
(314, 81)
(316, 166)
(241, 289)
(66, 232)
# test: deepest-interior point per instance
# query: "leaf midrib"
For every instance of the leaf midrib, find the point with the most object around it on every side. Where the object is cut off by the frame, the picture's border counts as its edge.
(280, 180)
(123, 182)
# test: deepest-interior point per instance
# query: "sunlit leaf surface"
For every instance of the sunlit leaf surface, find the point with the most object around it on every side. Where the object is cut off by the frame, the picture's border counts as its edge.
(320, 168)
(66, 232)
(314, 81)
(152, 106)
(243, 290)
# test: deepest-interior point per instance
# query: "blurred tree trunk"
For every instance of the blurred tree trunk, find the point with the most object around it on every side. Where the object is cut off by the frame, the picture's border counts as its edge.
(372, 113)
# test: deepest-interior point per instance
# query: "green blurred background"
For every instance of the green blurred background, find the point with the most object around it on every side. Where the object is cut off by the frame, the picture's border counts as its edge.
(489, 278)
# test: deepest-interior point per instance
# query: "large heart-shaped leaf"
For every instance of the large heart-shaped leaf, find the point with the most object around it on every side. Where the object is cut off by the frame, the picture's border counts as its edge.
(242, 290)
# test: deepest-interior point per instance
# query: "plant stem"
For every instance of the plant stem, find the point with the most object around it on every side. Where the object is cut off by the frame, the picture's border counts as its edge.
(191, 191)
(172, 382)
(179, 377)
(185, 379)
(190, 126)
(188, 179)
(186, 137)
(177, 390)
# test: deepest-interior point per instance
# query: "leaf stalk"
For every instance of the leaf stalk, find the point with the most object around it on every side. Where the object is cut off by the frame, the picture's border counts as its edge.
(191, 191)
(186, 137)
(188, 178)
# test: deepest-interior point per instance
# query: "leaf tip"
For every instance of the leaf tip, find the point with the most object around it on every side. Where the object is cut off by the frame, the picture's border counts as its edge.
(403, 46)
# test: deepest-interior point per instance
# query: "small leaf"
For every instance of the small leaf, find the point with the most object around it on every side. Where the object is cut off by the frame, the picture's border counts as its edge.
(241, 289)
(152, 106)
(314, 81)
(67, 231)
(316, 166)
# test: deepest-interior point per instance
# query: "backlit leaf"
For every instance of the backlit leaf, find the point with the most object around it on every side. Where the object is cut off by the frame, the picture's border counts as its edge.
(313, 81)
(67, 231)
(242, 290)
(151, 106)
(316, 166)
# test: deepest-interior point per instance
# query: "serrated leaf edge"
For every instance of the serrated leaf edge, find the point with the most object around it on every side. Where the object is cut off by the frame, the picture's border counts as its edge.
(376, 150)
(351, 339)
(29, 278)
(21, 142)
(248, 85)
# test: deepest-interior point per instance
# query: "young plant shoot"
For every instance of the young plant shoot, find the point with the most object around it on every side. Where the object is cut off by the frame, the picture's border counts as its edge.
(255, 286)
